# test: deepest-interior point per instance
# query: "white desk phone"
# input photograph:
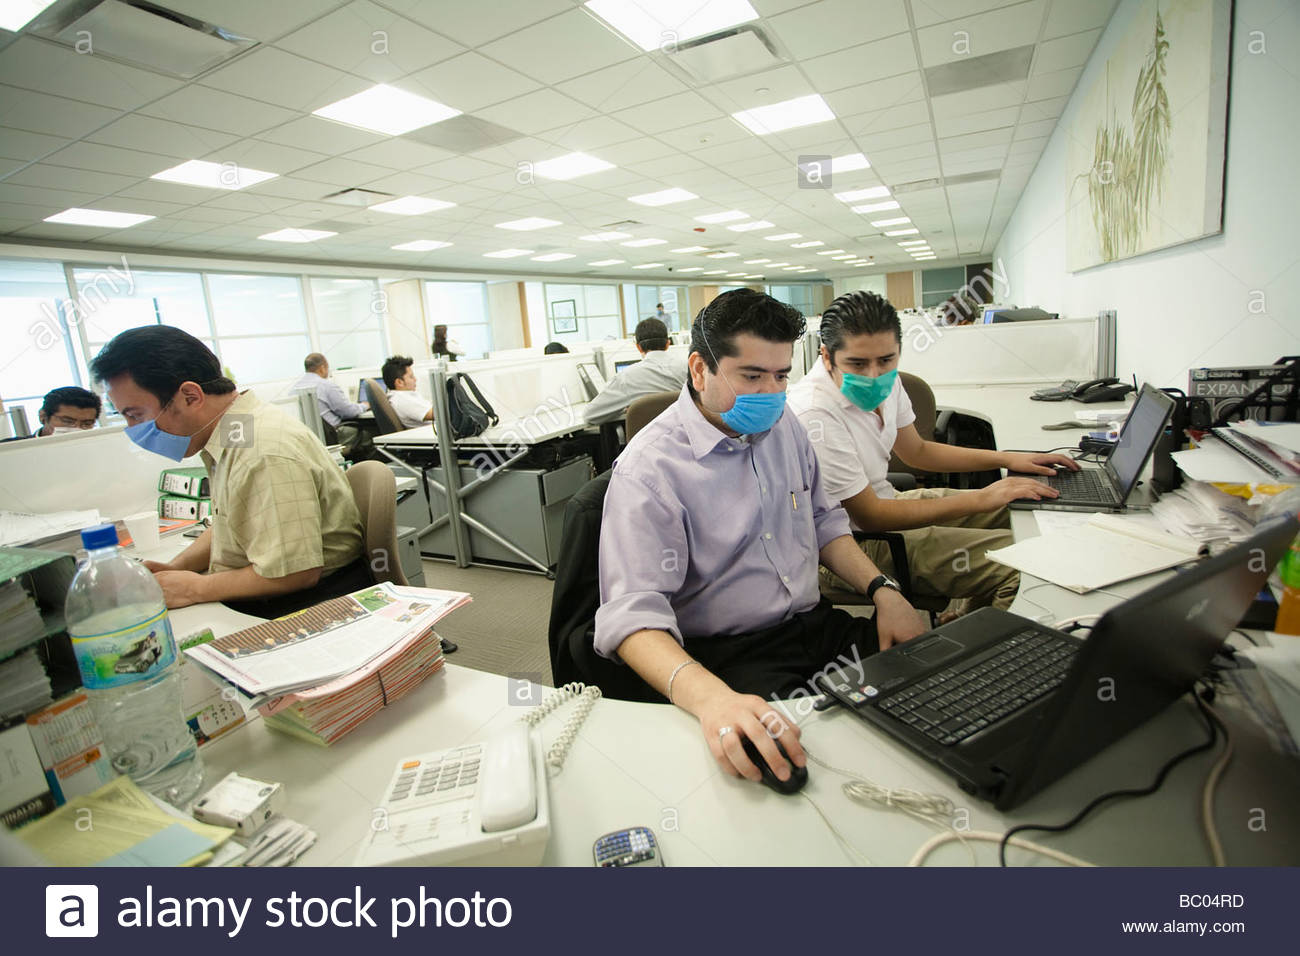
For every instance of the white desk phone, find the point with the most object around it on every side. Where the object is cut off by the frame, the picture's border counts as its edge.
(481, 803)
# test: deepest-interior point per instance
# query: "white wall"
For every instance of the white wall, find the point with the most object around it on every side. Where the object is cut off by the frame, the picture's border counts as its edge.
(875, 283)
(506, 316)
(1198, 303)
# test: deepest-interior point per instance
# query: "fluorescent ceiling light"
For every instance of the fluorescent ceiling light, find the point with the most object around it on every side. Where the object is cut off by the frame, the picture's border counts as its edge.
(605, 236)
(791, 114)
(16, 14)
(735, 275)
(663, 197)
(715, 272)
(297, 235)
(807, 245)
(528, 224)
(871, 192)
(754, 275)
(876, 206)
(849, 163)
(553, 257)
(830, 252)
(97, 217)
(679, 19)
(778, 236)
(751, 226)
(847, 255)
(914, 242)
(199, 172)
(570, 167)
(641, 243)
(508, 253)
(716, 217)
(386, 109)
(775, 264)
(422, 245)
(606, 262)
(692, 249)
(901, 232)
(925, 258)
(650, 265)
(722, 255)
(896, 221)
(756, 262)
(791, 268)
(411, 206)
(692, 269)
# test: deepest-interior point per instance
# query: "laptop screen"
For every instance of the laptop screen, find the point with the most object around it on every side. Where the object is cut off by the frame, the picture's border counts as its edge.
(1146, 420)
(619, 366)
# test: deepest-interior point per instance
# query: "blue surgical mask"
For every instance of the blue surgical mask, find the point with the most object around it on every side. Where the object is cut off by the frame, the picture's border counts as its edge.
(754, 413)
(866, 392)
(152, 438)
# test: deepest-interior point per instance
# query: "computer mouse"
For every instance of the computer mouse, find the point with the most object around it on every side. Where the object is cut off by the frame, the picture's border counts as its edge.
(798, 775)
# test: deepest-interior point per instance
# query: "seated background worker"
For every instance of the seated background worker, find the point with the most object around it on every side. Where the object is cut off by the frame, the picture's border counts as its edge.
(68, 409)
(856, 412)
(713, 525)
(335, 406)
(411, 407)
(656, 372)
(285, 531)
(555, 348)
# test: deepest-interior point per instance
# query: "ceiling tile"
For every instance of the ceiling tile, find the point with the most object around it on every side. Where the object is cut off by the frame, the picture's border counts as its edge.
(998, 96)
(38, 113)
(20, 144)
(1043, 109)
(399, 153)
(1001, 29)
(937, 11)
(255, 18)
(342, 172)
(862, 64)
(589, 136)
(587, 45)
(322, 135)
(894, 91)
(82, 180)
(1064, 52)
(973, 122)
(267, 157)
(1046, 86)
(218, 110)
(368, 40)
(669, 113)
(1077, 16)
(761, 89)
(469, 82)
(59, 199)
(897, 117)
(622, 85)
(48, 67)
(284, 79)
(146, 133)
(474, 24)
(831, 25)
(535, 112)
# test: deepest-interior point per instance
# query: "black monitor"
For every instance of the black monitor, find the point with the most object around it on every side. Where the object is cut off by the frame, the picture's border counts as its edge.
(1021, 315)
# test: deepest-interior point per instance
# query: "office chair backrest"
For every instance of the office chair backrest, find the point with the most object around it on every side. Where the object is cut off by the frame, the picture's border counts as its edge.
(576, 597)
(921, 396)
(386, 420)
(375, 489)
(645, 409)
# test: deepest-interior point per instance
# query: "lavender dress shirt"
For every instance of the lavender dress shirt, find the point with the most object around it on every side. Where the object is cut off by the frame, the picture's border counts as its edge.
(705, 535)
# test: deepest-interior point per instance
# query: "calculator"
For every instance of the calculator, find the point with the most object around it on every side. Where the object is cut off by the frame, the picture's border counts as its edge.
(635, 846)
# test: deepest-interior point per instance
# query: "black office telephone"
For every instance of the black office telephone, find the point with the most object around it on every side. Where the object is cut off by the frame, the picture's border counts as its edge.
(1101, 390)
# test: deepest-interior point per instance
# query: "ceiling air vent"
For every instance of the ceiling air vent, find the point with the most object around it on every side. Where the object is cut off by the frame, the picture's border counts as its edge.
(732, 53)
(464, 134)
(141, 34)
(974, 72)
(357, 197)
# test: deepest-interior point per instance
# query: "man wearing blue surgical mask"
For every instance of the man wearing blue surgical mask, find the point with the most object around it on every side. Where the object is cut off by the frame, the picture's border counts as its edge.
(286, 532)
(856, 412)
(714, 523)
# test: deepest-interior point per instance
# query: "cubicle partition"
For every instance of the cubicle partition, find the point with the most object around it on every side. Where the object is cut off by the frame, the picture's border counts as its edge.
(1006, 354)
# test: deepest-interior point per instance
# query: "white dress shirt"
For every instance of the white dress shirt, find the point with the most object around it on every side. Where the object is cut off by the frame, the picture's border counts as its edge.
(656, 372)
(411, 406)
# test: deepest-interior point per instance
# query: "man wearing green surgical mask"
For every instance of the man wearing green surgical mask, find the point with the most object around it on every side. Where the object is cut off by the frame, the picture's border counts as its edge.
(857, 413)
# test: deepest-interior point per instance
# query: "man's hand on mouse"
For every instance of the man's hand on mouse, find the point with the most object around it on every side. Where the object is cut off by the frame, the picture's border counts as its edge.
(726, 716)
(1037, 462)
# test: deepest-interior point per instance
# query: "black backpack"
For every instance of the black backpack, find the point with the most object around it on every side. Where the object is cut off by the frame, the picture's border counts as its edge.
(469, 415)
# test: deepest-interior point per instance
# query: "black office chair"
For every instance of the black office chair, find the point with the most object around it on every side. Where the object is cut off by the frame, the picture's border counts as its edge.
(575, 598)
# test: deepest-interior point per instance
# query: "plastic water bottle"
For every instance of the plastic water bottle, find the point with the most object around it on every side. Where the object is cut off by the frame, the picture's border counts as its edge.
(123, 642)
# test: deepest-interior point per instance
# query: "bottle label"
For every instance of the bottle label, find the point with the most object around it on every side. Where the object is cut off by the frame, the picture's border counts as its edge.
(123, 657)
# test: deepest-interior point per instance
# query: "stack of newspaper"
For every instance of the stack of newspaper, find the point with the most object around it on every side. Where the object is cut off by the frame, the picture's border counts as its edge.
(321, 672)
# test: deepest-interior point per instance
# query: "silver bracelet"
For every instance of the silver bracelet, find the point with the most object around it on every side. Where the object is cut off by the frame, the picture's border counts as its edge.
(673, 676)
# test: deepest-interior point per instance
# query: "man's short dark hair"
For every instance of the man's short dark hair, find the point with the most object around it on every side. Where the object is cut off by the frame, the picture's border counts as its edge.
(313, 361)
(395, 367)
(159, 358)
(72, 395)
(858, 313)
(555, 348)
(742, 310)
(652, 335)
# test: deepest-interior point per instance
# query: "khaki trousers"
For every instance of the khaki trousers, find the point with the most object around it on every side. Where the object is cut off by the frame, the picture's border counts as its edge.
(948, 560)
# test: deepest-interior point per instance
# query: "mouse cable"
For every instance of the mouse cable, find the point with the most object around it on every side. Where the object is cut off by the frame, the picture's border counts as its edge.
(1237, 630)
(1211, 782)
(836, 830)
(988, 836)
(1117, 794)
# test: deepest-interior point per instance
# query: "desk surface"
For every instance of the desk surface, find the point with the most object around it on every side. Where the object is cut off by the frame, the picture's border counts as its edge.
(646, 764)
(547, 423)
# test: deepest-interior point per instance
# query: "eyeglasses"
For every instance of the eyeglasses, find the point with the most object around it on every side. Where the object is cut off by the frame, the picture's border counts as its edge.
(64, 421)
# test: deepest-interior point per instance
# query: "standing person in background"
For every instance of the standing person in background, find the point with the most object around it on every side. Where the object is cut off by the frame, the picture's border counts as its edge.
(660, 314)
(445, 346)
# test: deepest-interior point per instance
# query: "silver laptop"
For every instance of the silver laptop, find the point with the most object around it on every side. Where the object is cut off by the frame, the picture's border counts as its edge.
(1107, 488)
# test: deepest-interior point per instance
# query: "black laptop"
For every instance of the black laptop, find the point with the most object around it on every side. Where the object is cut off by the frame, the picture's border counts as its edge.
(1107, 488)
(1007, 705)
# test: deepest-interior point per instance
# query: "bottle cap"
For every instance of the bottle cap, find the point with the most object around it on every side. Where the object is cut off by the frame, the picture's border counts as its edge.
(100, 536)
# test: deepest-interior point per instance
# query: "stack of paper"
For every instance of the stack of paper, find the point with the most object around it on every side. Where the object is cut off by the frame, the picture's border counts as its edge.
(1203, 512)
(17, 527)
(20, 620)
(1098, 552)
(1276, 443)
(24, 685)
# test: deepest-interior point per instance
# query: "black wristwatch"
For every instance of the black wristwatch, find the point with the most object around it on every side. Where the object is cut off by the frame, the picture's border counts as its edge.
(881, 581)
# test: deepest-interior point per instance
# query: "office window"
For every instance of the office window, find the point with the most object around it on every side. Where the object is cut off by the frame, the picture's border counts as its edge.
(39, 351)
(938, 284)
(111, 300)
(675, 302)
(582, 313)
(463, 308)
(349, 321)
(261, 326)
(805, 298)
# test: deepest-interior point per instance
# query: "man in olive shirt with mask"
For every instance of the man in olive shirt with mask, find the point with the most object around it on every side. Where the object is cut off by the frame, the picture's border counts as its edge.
(286, 532)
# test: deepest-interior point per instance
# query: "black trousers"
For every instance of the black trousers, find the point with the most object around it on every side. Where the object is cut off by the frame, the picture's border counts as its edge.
(780, 659)
(349, 578)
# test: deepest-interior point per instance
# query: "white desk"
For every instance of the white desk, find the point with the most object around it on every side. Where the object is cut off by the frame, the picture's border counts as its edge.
(647, 764)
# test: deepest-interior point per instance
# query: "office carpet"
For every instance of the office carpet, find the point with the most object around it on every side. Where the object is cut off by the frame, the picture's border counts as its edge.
(503, 630)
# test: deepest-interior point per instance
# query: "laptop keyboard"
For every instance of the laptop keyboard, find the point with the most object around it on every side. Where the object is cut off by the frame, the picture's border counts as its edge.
(962, 700)
(1084, 484)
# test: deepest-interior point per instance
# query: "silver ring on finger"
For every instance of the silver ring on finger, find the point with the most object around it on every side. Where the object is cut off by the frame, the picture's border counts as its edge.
(723, 731)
